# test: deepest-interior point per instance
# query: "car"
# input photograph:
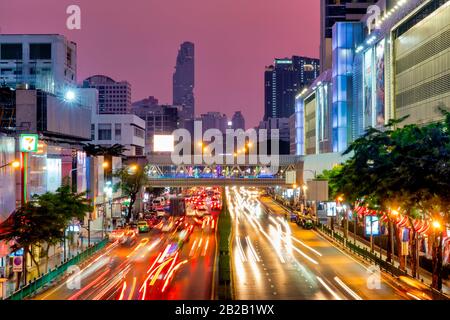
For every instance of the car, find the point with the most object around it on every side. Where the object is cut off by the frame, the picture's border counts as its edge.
(201, 211)
(167, 225)
(116, 234)
(305, 223)
(293, 217)
(160, 213)
(129, 239)
(143, 226)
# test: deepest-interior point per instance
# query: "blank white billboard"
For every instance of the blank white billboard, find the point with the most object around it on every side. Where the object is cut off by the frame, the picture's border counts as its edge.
(163, 143)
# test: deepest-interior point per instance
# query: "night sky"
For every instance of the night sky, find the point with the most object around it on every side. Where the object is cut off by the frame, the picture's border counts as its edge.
(138, 40)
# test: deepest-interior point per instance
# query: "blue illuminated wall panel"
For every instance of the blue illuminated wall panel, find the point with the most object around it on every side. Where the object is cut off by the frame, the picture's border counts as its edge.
(345, 37)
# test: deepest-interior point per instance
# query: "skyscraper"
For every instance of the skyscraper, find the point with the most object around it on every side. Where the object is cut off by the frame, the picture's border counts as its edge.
(184, 80)
(283, 81)
(332, 11)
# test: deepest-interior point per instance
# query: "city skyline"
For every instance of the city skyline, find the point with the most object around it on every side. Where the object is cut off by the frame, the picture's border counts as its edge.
(231, 53)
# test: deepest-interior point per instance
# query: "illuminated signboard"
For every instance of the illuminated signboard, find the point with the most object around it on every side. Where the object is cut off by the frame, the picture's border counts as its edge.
(283, 61)
(29, 142)
(372, 226)
(331, 209)
(163, 143)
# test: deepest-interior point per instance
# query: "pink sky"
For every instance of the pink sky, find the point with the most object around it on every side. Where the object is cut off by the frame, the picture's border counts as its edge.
(138, 40)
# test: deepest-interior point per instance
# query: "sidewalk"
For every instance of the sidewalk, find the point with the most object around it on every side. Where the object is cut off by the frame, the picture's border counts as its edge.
(423, 275)
(54, 261)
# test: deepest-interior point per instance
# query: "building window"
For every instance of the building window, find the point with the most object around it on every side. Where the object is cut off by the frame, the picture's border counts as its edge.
(11, 51)
(93, 131)
(118, 131)
(40, 51)
(104, 131)
(138, 133)
(139, 151)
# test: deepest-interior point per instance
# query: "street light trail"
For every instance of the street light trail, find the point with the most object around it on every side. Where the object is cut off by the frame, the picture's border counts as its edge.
(346, 288)
(123, 290)
(333, 293)
(252, 250)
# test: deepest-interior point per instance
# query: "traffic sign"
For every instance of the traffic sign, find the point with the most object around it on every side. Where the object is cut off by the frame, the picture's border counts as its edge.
(18, 264)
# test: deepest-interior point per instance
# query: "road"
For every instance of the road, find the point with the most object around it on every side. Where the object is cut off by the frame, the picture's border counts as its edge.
(275, 259)
(153, 268)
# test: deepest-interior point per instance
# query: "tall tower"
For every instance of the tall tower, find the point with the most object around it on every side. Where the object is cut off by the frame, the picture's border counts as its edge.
(184, 80)
(332, 11)
(283, 81)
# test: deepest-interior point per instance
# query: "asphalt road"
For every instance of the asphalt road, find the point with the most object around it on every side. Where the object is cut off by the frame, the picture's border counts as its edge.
(146, 270)
(276, 259)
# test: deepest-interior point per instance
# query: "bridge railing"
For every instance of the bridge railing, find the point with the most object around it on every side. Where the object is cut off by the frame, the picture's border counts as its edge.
(166, 160)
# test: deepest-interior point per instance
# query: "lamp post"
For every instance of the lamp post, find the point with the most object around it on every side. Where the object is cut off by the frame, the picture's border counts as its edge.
(340, 208)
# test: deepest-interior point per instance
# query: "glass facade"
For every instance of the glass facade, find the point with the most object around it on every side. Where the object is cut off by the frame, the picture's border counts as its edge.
(345, 37)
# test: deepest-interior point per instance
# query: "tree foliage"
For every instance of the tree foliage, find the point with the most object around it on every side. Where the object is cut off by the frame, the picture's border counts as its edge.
(131, 181)
(44, 219)
(116, 150)
(406, 168)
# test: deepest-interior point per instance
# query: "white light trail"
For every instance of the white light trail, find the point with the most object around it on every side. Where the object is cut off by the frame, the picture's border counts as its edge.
(334, 294)
(346, 288)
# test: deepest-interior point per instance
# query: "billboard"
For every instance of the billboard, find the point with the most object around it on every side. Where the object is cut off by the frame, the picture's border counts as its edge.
(53, 174)
(331, 209)
(163, 143)
(372, 224)
(379, 83)
(7, 178)
(367, 86)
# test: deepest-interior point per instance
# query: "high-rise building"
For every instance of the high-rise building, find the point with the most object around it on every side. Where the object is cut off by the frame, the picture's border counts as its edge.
(184, 80)
(113, 97)
(159, 119)
(332, 11)
(45, 62)
(238, 121)
(214, 120)
(283, 81)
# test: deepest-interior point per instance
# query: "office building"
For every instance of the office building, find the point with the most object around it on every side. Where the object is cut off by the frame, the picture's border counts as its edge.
(45, 62)
(214, 120)
(125, 129)
(238, 121)
(184, 80)
(159, 119)
(113, 97)
(332, 11)
(283, 81)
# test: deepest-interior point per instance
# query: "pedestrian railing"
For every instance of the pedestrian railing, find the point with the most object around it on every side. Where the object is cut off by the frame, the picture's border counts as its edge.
(35, 285)
(371, 257)
(362, 252)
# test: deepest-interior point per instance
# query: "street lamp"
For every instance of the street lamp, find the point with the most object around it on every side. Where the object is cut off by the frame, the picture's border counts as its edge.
(436, 225)
(108, 192)
(15, 164)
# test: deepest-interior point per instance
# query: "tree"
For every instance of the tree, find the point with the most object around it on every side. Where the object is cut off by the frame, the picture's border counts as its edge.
(329, 176)
(44, 219)
(407, 168)
(131, 180)
(116, 150)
